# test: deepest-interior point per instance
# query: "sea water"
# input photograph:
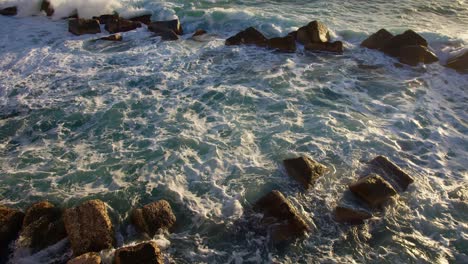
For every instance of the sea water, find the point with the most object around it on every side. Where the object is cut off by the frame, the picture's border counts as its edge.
(206, 126)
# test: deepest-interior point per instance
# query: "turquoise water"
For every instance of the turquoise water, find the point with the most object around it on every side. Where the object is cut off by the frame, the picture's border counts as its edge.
(206, 126)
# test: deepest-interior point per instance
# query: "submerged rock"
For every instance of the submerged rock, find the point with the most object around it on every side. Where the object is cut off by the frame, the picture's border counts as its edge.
(82, 26)
(351, 216)
(377, 40)
(249, 36)
(145, 19)
(164, 26)
(9, 11)
(89, 227)
(373, 189)
(153, 216)
(336, 47)
(459, 63)
(392, 171)
(115, 37)
(199, 32)
(314, 32)
(11, 221)
(284, 221)
(116, 25)
(144, 253)
(88, 258)
(304, 170)
(46, 6)
(283, 44)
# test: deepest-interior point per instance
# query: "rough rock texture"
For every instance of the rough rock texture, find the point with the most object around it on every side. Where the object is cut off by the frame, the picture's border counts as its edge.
(9, 11)
(459, 63)
(144, 253)
(413, 55)
(10, 225)
(351, 216)
(46, 6)
(88, 258)
(104, 19)
(392, 171)
(249, 36)
(314, 32)
(173, 25)
(153, 216)
(145, 19)
(373, 189)
(115, 37)
(285, 222)
(89, 227)
(377, 40)
(116, 25)
(82, 26)
(336, 47)
(304, 170)
(283, 44)
(408, 38)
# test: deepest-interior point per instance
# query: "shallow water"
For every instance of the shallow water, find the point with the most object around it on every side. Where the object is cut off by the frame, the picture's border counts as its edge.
(206, 126)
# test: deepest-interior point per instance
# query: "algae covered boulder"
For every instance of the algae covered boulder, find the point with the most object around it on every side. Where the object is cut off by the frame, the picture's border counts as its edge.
(11, 221)
(144, 253)
(304, 170)
(153, 217)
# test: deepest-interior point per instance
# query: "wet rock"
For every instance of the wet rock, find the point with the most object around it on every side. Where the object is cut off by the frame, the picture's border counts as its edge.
(88, 258)
(115, 37)
(144, 253)
(116, 25)
(104, 19)
(283, 44)
(145, 19)
(408, 38)
(377, 40)
(351, 216)
(46, 6)
(11, 221)
(284, 221)
(304, 170)
(392, 171)
(89, 227)
(373, 189)
(9, 11)
(314, 32)
(82, 26)
(336, 47)
(249, 36)
(459, 63)
(153, 216)
(163, 26)
(199, 32)
(165, 34)
(413, 55)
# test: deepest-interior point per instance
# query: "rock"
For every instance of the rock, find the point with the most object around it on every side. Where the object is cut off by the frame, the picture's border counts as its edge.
(284, 44)
(285, 222)
(115, 37)
(42, 227)
(82, 26)
(413, 55)
(9, 11)
(46, 6)
(249, 36)
(314, 32)
(336, 47)
(459, 63)
(104, 19)
(145, 19)
(88, 258)
(10, 225)
(165, 34)
(199, 32)
(89, 227)
(373, 190)
(153, 216)
(408, 38)
(144, 253)
(116, 25)
(161, 26)
(392, 171)
(377, 40)
(304, 170)
(351, 216)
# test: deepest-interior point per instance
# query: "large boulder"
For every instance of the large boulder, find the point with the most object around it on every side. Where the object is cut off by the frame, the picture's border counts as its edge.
(304, 170)
(459, 63)
(9, 11)
(80, 26)
(249, 36)
(153, 217)
(116, 25)
(284, 221)
(314, 32)
(413, 55)
(336, 47)
(377, 40)
(373, 190)
(89, 227)
(144, 253)
(408, 38)
(88, 258)
(144, 19)
(384, 166)
(161, 26)
(283, 44)
(11, 221)
(47, 7)
(351, 216)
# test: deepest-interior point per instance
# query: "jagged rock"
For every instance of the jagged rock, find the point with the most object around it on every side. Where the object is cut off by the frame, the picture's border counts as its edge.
(82, 26)
(145, 19)
(163, 26)
(377, 40)
(144, 253)
(249, 36)
(115, 37)
(304, 170)
(104, 19)
(199, 32)
(314, 32)
(42, 227)
(88, 258)
(336, 47)
(89, 227)
(285, 222)
(351, 216)
(408, 38)
(283, 44)
(373, 189)
(392, 171)
(459, 63)
(11, 221)
(116, 25)
(9, 11)
(46, 6)
(153, 216)
(413, 55)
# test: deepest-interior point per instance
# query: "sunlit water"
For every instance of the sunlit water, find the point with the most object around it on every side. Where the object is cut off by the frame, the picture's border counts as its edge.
(206, 126)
